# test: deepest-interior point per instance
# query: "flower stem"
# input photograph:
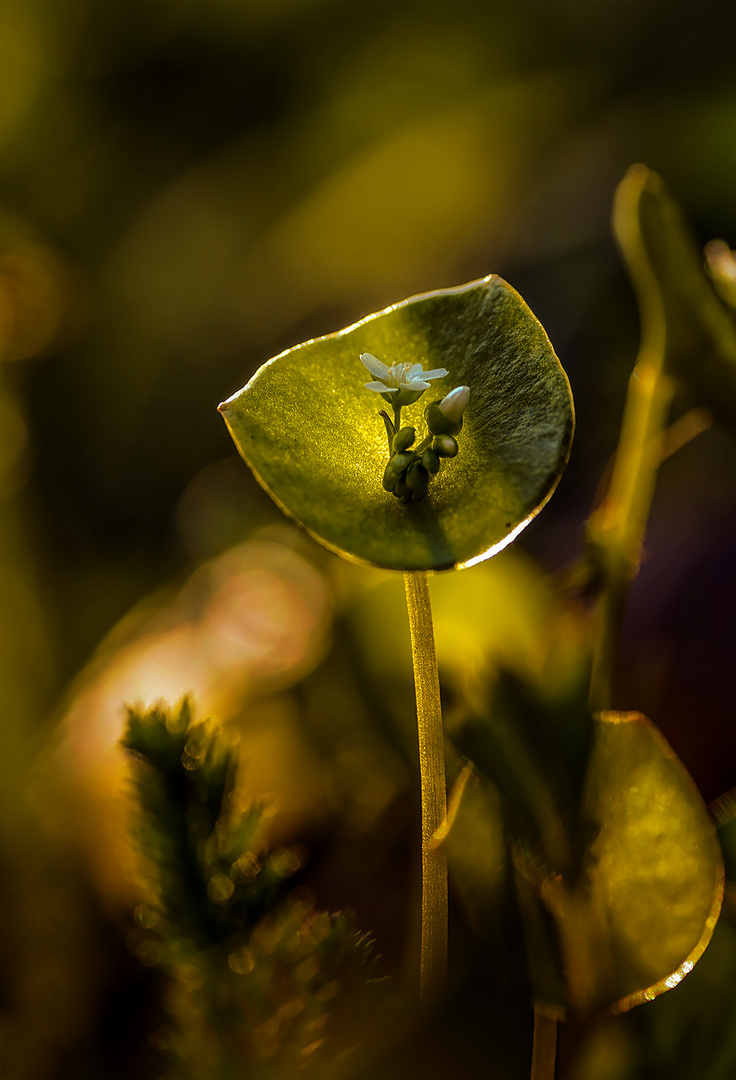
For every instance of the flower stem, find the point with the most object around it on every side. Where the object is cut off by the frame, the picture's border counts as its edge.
(433, 948)
(544, 1049)
(397, 417)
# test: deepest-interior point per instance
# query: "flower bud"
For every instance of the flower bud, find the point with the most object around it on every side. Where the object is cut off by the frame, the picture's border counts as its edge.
(400, 462)
(444, 446)
(446, 417)
(453, 405)
(417, 478)
(403, 439)
(390, 479)
(430, 460)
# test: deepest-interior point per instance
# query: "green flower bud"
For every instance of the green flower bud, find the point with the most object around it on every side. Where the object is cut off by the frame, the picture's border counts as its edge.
(430, 461)
(445, 417)
(390, 479)
(438, 422)
(402, 490)
(417, 476)
(403, 439)
(400, 462)
(444, 446)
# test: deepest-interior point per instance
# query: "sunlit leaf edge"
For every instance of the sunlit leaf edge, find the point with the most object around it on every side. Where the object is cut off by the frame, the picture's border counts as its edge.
(425, 560)
(670, 980)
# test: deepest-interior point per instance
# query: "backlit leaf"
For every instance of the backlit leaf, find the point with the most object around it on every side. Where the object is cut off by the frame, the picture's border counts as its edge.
(633, 921)
(313, 437)
(680, 309)
(651, 894)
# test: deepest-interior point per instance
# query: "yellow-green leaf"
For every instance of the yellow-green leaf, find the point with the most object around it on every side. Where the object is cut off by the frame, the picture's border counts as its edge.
(651, 894)
(633, 921)
(313, 436)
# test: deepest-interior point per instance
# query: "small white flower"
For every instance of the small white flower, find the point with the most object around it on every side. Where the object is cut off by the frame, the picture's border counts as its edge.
(407, 381)
(453, 404)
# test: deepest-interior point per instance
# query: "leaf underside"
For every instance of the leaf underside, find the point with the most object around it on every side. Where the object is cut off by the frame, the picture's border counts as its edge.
(313, 436)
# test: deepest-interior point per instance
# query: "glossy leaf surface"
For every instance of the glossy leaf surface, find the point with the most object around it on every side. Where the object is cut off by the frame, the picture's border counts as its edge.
(313, 436)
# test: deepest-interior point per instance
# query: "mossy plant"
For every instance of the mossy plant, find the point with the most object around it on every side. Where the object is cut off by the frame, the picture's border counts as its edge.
(259, 982)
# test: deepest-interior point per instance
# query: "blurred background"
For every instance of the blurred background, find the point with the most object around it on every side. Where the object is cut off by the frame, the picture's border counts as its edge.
(186, 189)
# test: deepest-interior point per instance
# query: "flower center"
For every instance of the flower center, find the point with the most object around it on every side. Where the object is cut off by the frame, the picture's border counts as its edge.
(398, 373)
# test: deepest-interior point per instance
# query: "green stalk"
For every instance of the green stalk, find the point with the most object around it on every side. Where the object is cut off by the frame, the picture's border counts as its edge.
(544, 1049)
(617, 529)
(433, 947)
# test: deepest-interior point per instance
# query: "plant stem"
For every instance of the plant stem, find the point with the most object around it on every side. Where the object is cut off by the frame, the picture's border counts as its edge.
(617, 529)
(433, 948)
(544, 1049)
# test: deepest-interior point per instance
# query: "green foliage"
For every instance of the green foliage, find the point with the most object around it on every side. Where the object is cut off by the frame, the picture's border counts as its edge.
(680, 306)
(305, 425)
(257, 983)
(603, 838)
(243, 176)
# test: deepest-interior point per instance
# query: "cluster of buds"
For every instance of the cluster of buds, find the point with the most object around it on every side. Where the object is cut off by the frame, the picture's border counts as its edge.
(411, 466)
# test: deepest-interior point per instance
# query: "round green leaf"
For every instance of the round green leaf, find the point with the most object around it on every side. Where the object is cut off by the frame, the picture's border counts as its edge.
(653, 883)
(313, 436)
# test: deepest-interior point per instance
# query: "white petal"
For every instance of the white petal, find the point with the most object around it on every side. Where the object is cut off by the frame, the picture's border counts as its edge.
(436, 373)
(453, 404)
(380, 388)
(414, 384)
(416, 369)
(374, 365)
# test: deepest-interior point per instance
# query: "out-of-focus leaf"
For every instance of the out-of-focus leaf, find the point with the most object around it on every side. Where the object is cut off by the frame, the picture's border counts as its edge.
(724, 815)
(533, 744)
(720, 262)
(681, 312)
(654, 870)
(639, 914)
(313, 437)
